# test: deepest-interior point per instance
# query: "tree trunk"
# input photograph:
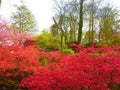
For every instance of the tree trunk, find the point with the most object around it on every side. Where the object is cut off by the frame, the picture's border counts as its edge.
(92, 31)
(80, 21)
(62, 39)
(89, 36)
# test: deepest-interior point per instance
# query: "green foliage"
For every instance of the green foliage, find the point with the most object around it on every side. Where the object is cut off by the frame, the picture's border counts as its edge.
(24, 19)
(44, 61)
(116, 38)
(109, 22)
(47, 41)
(87, 44)
(70, 51)
(89, 37)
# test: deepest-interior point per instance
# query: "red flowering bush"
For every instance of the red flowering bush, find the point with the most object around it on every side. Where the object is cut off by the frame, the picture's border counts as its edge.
(30, 42)
(79, 72)
(34, 69)
(75, 47)
(24, 59)
(16, 63)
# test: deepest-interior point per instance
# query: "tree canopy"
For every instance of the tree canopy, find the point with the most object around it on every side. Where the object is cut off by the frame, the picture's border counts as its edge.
(24, 19)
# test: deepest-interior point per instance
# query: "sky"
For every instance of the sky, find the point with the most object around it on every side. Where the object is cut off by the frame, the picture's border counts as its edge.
(41, 9)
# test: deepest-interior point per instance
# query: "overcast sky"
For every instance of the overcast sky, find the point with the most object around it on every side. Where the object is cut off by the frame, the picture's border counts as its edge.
(41, 9)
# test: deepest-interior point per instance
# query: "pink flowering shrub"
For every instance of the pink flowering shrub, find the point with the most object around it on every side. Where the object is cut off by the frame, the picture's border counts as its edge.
(10, 35)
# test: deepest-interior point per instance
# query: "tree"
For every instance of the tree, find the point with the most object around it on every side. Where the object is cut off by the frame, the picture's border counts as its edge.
(109, 24)
(68, 22)
(10, 35)
(86, 37)
(91, 8)
(80, 21)
(23, 19)
(69, 14)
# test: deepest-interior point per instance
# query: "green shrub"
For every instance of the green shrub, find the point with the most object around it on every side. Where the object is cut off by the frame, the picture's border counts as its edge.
(47, 41)
(70, 51)
(44, 61)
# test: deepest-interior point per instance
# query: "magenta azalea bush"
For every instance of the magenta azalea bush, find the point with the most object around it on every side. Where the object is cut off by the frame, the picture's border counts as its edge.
(90, 69)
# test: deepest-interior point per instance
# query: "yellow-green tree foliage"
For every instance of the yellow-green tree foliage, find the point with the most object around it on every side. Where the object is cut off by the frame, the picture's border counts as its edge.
(24, 19)
(87, 35)
(109, 26)
(47, 41)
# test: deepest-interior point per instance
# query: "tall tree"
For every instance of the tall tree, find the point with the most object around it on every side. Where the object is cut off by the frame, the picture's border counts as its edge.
(109, 24)
(24, 19)
(72, 12)
(91, 8)
(80, 21)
